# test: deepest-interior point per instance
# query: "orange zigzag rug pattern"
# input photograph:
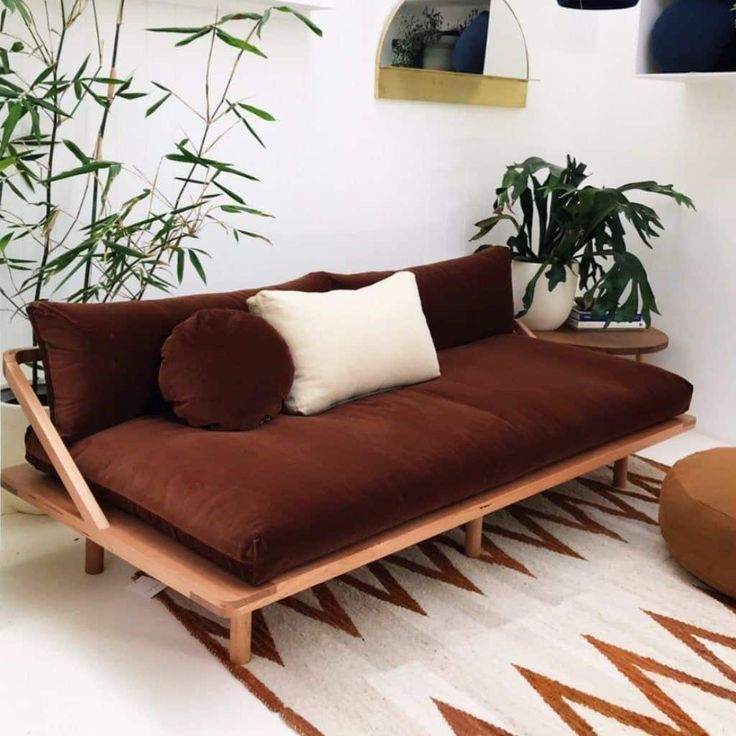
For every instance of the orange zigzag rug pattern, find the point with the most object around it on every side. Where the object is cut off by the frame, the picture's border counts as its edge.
(573, 620)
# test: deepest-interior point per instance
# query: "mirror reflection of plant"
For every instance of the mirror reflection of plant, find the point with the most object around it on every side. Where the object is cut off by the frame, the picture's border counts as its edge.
(109, 250)
(414, 33)
(459, 27)
(564, 223)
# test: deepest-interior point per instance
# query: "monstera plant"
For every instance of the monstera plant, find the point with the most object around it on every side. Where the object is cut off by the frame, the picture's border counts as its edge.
(572, 230)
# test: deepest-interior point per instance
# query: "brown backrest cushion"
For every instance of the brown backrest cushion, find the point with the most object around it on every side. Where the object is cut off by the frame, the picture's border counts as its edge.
(225, 369)
(464, 299)
(102, 360)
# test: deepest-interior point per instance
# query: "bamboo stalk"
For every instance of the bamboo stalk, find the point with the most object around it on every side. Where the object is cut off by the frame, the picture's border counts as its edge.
(55, 122)
(101, 138)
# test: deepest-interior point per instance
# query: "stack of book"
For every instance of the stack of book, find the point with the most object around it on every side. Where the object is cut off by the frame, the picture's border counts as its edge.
(581, 319)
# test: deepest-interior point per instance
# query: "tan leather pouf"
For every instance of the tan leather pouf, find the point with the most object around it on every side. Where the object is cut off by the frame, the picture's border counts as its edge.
(697, 515)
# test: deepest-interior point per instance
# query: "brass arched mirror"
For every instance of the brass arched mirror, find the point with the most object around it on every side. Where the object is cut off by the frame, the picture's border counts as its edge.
(463, 51)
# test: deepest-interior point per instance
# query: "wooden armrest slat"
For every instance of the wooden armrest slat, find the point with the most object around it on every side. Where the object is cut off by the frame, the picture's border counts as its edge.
(75, 485)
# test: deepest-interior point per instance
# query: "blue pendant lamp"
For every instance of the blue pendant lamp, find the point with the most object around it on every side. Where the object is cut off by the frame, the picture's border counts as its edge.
(597, 4)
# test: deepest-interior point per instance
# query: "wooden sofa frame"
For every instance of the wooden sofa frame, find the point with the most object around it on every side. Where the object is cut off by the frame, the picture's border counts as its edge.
(69, 500)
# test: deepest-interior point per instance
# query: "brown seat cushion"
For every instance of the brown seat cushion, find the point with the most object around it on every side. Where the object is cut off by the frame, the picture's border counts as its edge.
(225, 369)
(697, 514)
(464, 299)
(102, 360)
(502, 408)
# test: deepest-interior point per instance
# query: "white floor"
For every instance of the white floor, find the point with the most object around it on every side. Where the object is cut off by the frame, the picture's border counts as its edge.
(81, 655)
(671, 451)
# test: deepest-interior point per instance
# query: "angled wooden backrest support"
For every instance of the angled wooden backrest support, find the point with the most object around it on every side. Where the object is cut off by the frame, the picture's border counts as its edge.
(75, 485)
(521, 329)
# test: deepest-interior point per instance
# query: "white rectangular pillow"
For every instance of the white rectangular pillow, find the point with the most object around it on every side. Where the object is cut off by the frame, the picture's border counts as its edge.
(346, 344)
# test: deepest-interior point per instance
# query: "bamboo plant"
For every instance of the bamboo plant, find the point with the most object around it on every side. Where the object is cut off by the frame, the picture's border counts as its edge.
(566, 223)
(95, 247)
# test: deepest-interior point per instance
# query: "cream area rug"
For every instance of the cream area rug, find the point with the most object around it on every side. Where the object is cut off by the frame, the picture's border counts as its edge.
(575, 620)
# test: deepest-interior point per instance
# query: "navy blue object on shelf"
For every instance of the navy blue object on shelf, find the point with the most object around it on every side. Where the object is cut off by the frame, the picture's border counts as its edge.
(695, 36)
(469, 52)
(597, 4)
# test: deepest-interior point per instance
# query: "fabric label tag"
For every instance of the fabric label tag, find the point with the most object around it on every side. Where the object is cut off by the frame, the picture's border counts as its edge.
(146, 587)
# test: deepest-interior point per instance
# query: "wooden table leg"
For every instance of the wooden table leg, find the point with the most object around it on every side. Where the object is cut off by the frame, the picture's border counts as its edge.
(474, 537)
(240, 638)
(94, 558)
(640, 357)
(620, 473)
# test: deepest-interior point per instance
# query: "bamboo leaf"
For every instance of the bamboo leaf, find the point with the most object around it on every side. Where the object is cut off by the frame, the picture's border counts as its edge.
(188, 157)
(303, 18)
(247, 125)
(46, 105)
(254, 235)
(87, 168)
(238, 43)
(125, 250)
(262, 22)
(112, 173)
(239, 16)
(76, 150)
(180, 261)
(230, 193)
(194, 258)
(18, 6)
(257, 111)
(186, 41)
(16, 110)
(11, 85)
(156, 105)
(77, 79)
(35, 124)
(178, 29)
(110, 80)
(234, 208)
(252, 131)
(42, 76)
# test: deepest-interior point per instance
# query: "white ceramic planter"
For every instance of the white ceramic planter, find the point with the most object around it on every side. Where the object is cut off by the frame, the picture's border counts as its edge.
(13, 426)
(549, 309)
(438, 55)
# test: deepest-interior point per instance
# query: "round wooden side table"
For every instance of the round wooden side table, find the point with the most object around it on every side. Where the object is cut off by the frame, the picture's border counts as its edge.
(614, 342)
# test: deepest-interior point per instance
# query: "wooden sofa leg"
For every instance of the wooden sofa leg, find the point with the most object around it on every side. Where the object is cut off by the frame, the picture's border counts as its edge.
(620, 473)
(474, 537)
(240, 635)
(94, 558)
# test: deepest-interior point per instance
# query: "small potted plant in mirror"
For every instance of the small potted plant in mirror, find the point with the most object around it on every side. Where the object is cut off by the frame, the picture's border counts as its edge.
(425, 42)
(415, 34)
(573, 236)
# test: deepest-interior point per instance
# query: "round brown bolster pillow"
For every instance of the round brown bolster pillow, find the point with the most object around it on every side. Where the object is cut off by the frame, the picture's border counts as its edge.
(225, 369)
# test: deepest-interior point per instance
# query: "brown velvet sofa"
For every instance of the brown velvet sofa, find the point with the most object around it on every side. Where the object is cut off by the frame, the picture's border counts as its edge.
(237, 520)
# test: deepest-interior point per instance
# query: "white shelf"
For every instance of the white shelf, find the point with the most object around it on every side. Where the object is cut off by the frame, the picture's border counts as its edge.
(700, 77)
(649, 11)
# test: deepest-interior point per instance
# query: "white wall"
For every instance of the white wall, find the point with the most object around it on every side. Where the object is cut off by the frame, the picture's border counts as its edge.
(359, 183)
